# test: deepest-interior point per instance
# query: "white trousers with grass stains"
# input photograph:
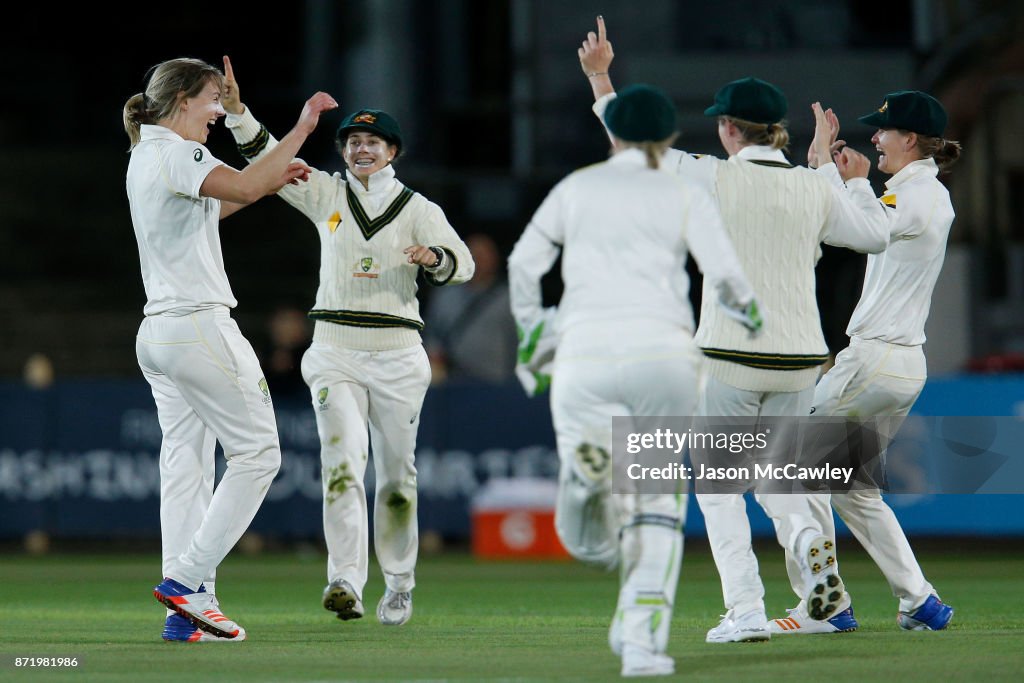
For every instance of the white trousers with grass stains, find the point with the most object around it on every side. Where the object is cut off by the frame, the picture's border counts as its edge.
(362, 398)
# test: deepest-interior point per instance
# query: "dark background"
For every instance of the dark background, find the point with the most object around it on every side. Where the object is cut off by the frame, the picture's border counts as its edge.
(495, 110)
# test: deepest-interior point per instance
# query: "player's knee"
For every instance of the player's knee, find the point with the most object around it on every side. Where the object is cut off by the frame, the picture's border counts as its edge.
(270, 461)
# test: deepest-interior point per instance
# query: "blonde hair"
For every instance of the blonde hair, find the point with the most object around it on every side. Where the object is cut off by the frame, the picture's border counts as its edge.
(944, 152)
(168, 83)
(772, 135)
(653, 149)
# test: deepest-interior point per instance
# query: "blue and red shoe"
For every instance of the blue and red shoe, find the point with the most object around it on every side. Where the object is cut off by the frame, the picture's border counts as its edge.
(198, 608)
(179, 629)
(933, 615)
(799, 623)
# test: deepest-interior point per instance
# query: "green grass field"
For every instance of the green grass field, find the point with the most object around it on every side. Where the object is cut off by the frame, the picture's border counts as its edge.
(490, 621)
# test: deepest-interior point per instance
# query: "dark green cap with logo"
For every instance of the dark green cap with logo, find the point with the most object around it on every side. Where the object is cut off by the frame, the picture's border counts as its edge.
(374, 121)
(911, 110)
(750, 99)
(641, 113)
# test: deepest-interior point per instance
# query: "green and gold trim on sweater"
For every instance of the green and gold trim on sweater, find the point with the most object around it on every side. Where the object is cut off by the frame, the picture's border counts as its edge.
(365, 319)
(772, 164)
(767, 361)
(256, 145)
(368, 227)
(439, 282)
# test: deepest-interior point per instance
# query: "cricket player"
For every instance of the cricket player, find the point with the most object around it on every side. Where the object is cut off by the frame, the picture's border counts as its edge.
(883, 370)
(367, 370)
(205, 377)
(776, 215)
(625, 348)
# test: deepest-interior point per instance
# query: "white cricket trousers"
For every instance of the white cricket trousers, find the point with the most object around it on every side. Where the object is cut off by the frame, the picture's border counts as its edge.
(350, 390)
(872, 378)
(725, 514)
(606, 370)
(208, 387)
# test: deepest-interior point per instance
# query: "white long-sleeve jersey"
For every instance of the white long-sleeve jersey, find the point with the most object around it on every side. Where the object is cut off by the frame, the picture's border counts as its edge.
(899, 282)
(776, 215)
(367, 286)
(624, 231)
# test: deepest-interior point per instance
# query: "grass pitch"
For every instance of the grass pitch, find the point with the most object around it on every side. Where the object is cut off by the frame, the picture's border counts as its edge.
(487, 621)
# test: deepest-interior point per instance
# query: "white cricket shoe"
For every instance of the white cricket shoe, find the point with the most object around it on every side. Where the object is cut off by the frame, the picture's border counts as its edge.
(637, 662)
(799, 623)
(340, 597)
(179, 629)
(394, 608)
(825, 589)
(749, 627)
(201, 609)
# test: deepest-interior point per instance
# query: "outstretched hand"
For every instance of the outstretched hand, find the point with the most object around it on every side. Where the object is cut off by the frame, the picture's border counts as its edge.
(315, 105)
(596, 54)
(297, 171)
(826, 130)
(231, 100)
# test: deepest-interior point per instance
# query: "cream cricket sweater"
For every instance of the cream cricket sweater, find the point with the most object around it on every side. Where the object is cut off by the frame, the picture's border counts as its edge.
(775, 215)
(367, 294)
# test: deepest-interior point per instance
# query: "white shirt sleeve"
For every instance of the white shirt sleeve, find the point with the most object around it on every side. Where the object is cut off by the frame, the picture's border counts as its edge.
(185, 165)
(532, 257)
(317, 197)
(856, 219)
(434, 230)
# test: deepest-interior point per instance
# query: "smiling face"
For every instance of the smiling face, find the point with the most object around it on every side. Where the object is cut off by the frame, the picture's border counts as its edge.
(200, 113)
(896, 149)
(366, 153)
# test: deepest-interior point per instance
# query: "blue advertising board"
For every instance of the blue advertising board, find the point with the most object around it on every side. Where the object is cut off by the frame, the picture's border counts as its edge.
(81, 460)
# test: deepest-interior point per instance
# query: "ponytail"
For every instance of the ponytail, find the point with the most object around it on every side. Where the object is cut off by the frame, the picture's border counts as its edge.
(944, 152)
(772, 135)
(135, 115)
(168, 84)
(653, 150)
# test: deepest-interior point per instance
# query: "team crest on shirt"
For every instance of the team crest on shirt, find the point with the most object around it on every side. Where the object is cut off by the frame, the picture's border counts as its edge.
(366, 267)
(197, 154)
(265, 388)
(321, 398)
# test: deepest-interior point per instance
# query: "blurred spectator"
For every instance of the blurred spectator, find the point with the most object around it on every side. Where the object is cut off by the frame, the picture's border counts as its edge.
(38, 371)
(290, 336)
(469, 331)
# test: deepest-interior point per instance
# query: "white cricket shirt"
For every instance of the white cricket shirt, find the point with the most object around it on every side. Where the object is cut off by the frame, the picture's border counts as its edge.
(177, 230)
(624, 231)
(899, 282)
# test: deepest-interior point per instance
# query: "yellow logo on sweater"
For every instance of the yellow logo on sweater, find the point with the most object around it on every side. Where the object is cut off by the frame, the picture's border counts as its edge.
(334, 221)
(889, 200)
(366, 267)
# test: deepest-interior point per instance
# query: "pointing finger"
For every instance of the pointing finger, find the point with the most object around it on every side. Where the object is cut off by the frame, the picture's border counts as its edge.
(602, 34)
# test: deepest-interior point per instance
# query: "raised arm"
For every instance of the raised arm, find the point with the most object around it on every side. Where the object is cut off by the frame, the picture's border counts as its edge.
(277, 167)
(856, 220)
(596, 59)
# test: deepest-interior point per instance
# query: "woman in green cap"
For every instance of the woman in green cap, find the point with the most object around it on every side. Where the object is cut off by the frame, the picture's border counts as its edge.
(777, 215)
(883, 370)
(625, 347)
(367, 370)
